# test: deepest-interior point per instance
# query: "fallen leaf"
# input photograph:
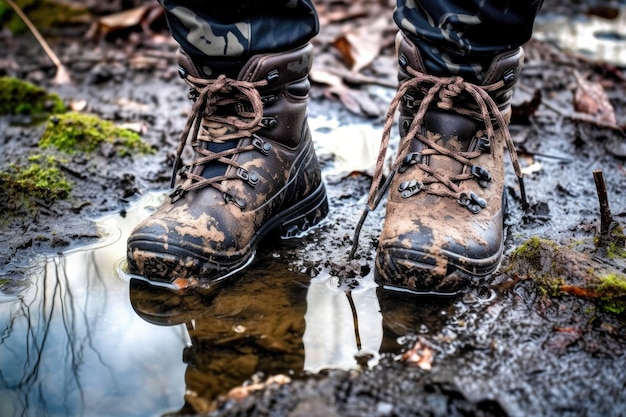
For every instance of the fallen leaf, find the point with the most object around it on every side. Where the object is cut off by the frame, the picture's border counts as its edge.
(359, 47)
(419, 355)
(590, 98)
(139, 16)
(239, 393)
(357, 101)
(578, 291)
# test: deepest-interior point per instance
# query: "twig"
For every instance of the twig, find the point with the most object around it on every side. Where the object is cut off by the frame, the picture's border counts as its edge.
(62, 76)
(605, 211)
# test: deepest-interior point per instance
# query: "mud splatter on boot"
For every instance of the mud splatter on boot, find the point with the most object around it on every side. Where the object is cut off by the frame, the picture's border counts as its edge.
(254, 172)
(444, 217)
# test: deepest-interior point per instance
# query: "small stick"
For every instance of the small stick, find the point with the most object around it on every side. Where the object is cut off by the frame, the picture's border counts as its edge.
(62, 76)
(605, 211)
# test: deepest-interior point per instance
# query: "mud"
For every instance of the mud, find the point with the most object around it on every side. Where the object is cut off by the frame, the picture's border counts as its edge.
(503, 347)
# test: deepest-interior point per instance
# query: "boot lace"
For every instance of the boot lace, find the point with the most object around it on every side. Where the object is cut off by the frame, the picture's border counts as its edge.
(442, 91)
(206, 124)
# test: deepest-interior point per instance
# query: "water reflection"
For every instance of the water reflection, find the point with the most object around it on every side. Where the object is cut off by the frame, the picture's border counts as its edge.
(71, 344)
(82, 340)
(273, 321)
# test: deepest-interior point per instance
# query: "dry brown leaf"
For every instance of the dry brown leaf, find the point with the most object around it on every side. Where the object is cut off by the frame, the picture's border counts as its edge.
(357, 101)
(420, 355)
(139, 16)
(590, 98)
(239, 393)
(579, 291)
(322, 76)
(361, 46)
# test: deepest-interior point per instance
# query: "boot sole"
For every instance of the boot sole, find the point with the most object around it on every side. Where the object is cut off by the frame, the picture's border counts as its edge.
(184, 268)
(415, 271)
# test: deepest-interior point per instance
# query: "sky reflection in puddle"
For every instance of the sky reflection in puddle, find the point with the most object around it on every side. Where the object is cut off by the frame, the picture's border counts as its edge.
(84, 340)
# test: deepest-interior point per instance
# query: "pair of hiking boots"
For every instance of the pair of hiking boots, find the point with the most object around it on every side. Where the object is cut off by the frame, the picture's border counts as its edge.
(255, 172)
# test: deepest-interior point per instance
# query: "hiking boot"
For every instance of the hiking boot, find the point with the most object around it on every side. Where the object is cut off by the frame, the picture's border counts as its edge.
(444, 221)
(254, 172)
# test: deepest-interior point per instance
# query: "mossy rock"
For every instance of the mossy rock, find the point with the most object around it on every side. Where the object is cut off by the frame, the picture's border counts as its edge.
(562, 270)
(38, 181)
(19, 97)
(75, 132)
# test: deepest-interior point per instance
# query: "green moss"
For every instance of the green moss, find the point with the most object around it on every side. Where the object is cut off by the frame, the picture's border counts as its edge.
(615, 250)
(613, 243)
(530, 252)
(21, 97)
(534, 259)
(560, 270)
(612, 292)
(40, 179)
(529, 249)
(616, 243)
(72, 132)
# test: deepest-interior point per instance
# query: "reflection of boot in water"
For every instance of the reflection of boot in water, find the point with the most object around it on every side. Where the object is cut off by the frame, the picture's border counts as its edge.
(255, 327)
(407, 315)
(249, 327)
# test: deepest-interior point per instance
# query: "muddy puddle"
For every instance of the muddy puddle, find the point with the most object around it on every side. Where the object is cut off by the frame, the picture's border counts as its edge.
(85, 338)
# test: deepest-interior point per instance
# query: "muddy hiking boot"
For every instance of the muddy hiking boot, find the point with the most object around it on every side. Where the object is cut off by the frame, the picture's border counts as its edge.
(444, 217)
(254, 172)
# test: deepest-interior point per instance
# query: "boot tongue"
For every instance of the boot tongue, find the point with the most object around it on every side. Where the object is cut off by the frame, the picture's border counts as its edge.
(203, 68)
(453, 132)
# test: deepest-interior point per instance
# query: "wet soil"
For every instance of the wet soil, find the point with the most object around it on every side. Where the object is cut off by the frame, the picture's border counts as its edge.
(505, 346)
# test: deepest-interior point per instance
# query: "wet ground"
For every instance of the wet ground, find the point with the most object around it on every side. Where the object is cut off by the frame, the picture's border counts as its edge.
(304, 332)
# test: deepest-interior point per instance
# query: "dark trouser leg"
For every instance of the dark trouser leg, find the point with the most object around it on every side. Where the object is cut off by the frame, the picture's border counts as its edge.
(240, 29)
(461, 37)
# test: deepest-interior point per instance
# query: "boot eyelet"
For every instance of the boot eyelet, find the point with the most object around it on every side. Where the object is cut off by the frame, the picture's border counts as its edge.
(272, 76)
(484, 145)
(183, 171)
(177, 194)
(193, 94)
(403, 61)
(406, 124)
(472, 202)
(411, 159)
(509, 76)
(261, 145)
(408, 101)
(251, 178)
(269, 100)
(269, 122)
(481, 175)
(229, 198)
(409, 188)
